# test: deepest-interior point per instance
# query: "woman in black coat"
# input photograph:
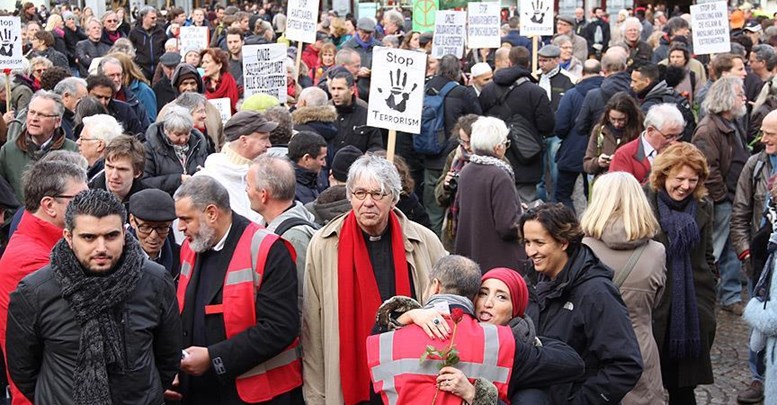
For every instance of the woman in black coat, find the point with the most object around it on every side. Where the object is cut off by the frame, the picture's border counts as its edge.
(573, 299)
(684, 321)
(174, 151)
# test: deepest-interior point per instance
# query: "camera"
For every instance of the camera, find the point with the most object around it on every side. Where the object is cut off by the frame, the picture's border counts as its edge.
(453, 183)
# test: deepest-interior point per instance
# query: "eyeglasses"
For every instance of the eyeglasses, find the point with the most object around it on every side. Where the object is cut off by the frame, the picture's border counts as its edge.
(376, 195)
(65, 196)
(111, 21)
(38, 114)
(507, 144)
(82, 139)
(669, 137)
(146, 229)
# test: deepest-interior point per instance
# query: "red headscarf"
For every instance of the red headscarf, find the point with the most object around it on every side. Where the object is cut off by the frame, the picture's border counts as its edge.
(519, 294)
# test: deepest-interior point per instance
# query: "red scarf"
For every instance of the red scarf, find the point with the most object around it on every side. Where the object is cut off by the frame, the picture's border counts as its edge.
(358, 301)
(226, 86)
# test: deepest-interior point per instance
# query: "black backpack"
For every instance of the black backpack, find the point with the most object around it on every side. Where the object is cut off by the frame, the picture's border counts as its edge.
(526, 144)
(685, 109)
(289, 223)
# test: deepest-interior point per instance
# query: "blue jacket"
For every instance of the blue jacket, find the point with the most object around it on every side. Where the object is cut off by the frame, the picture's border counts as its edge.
(595, 100)
(146, 97)
(516, 39)
(573, 144)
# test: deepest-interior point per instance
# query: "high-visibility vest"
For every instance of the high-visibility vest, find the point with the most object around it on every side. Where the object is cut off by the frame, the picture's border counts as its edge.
(243, 279)
(485, 351)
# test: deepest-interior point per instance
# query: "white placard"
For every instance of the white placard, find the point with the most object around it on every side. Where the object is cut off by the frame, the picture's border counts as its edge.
(224, 105)
(536, 17)
(709, 23)
(193, 39)
(449, 34)
(397, 89)
(264, 70)
(11, 54)
(368, 10)
(301, 20)
(483, 23)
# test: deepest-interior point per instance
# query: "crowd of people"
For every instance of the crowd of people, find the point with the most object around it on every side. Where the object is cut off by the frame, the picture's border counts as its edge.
(570, 243)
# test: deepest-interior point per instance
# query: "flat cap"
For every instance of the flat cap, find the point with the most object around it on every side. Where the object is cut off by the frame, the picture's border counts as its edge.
(170, 59)
(366, 24)
(550, 51)
(567, 19)
(246, 123)
(152, 204)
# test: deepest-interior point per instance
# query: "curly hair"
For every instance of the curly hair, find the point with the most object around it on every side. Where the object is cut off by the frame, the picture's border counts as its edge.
(671, 160)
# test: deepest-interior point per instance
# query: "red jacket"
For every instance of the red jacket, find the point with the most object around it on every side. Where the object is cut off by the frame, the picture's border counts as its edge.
(27, 251)
(310, 57)
(630, 158)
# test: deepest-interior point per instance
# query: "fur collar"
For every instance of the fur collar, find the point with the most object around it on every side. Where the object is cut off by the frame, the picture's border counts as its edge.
(324, 113)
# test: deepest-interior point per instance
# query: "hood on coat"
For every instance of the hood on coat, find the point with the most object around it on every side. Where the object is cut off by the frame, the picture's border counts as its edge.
(298, 210)
(660, 90)
(620, 81)
(186, 68)
(304, 115)
(329, 204)
(583, 265)
(508, 76)
(614, 237)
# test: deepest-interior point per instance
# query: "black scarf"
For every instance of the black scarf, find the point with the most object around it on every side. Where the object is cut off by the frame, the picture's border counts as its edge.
(92, 299)
(678, 220)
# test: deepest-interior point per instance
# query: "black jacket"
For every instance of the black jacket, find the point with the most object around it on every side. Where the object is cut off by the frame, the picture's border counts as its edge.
(149, 47)
(573, 144)
(590, 35)
(583, 308)
(596, 99)
(559, 84)
(163, 170)
(164, 92)
(56, 57)
(277, 323)
(72, 38)
(86, 51)
(307, 185)
(44, 339)
(352, 128)
(530, 101)
(125, 114)
(459, 102)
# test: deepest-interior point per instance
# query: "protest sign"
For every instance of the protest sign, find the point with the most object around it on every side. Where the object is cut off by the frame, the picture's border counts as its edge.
(264, 70)
(301, 20)
(397, 89)
(536, 17)
(449, 34)
(483, 25)
(193, 39)
(224, 107)
(11, 55)
(709, 23)
(424, 13)
(368, 10)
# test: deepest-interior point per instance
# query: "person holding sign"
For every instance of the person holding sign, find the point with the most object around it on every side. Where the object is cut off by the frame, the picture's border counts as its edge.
(217, 80)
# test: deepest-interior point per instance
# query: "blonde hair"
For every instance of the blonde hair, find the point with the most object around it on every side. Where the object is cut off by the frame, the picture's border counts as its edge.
(53, 21)
(618, 196)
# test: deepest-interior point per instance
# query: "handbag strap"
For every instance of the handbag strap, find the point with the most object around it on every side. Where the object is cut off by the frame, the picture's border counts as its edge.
(624, 274)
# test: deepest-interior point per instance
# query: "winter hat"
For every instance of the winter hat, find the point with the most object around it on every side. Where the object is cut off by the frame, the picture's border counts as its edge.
(259, 102)
(519, 293)
(343, 160)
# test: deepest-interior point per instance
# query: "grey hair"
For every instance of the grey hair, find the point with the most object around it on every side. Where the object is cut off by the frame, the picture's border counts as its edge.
(145, 10)
(560, 40)
(47, 179)
(722, 96)
(392, 39)
(313, 96)
(765, 53)
(178, 119)
(190, 100)
(69, 85)
(661, 115)
(487, 133)
(107, 13)
(106, 60)
(449, 67)
(94, 20)
(37, 61)
(377, 169)
(346, 56)
(95, 202)
(675, 24)
(631, 21)
(68, 156)
(276, 174)
(457, 275)
(59, 108)
(172, 41)
(204, 191)
(103, 127)
(395, 17)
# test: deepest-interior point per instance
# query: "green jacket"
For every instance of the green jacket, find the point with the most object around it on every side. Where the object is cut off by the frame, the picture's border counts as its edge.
(15, 156)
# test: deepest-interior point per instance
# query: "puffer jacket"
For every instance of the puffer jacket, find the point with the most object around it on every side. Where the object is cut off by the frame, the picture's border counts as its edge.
(163, 170)
(150, 324)
(584, 309)
(749, 201)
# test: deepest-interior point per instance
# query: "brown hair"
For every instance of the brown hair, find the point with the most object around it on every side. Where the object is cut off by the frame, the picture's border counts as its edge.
(723, 63)
(673, 159)
(45, 36)
(560, 222)
(218, 56)
(127, 146)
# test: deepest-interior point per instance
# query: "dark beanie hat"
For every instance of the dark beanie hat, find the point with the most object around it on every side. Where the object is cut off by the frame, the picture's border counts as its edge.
(343, 160)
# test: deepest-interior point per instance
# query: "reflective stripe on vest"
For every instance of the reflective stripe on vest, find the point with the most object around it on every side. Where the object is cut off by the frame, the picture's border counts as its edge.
(242, 281)
(386, 374)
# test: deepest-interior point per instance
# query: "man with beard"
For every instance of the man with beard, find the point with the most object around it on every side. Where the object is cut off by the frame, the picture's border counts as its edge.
(722, 140)
(238, 297)
(111, 312)
(351, 121)
(235, 47)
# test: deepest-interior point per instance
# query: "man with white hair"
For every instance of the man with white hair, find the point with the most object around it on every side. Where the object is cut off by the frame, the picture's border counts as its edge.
(98, 131)
(393, 23)
(481, 75)
(640, 52)
(314, 113)
(722, 140)
(664, 124)
(72, 90)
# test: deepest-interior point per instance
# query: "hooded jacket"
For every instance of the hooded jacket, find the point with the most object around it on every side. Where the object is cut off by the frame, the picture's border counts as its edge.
(584, 309)
(573, 143)
(528, 100)
(318, 119)
(596, 99)
(163, 170)
(656, 95)
(329, 204)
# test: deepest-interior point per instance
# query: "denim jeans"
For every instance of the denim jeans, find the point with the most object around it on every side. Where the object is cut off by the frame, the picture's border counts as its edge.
(549, 165)
(729, 287)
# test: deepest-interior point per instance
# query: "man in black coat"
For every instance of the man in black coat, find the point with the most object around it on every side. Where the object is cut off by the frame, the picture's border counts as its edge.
(97, 287)
(92, 47)
(351, 121)
(213, 360)
(149, 40)
(616, 79)
(527, 100)
(73, 34)
(163, 89)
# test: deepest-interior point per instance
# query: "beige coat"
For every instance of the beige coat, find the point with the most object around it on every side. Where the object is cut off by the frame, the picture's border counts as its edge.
(320, 328)
(641, 293)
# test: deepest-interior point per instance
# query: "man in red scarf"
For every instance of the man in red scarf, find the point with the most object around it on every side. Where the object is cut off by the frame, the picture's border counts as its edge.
(354, 263)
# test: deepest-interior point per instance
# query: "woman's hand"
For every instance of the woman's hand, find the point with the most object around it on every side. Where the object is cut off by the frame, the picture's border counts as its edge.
(454, 381)
(430, 320)
(604, 160)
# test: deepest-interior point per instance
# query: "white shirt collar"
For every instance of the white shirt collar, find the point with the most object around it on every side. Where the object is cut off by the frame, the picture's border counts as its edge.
(223, 240)
(646, 146)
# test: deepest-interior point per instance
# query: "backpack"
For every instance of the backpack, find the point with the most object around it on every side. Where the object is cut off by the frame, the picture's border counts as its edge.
(684, 106)
(289, 223)
(526, 145)
(433, 140)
